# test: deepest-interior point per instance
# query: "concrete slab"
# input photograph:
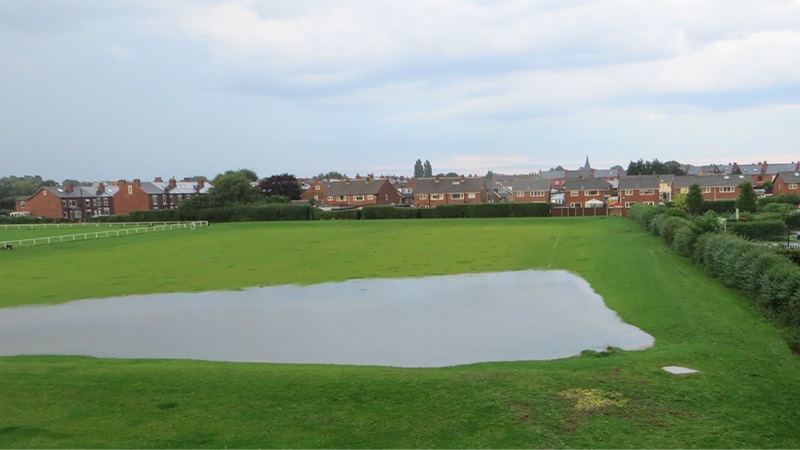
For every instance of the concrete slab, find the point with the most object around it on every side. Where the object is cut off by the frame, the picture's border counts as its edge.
(678, 370)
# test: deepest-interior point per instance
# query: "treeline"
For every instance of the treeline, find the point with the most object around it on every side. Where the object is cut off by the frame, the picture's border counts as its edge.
(284, 212)
(766, 277)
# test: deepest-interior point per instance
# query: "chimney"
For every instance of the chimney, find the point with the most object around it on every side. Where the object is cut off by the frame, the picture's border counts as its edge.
(462, 177)
(101, 188)
(138, 183)
(764, 167)
(201, 183)
(122, 183)
(173, 183)
(69, 187)
(158, 180)
(437, 179)
(186, 180)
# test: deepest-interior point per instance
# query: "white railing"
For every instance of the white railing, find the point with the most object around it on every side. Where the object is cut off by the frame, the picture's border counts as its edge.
(44, 226)
(153, 227)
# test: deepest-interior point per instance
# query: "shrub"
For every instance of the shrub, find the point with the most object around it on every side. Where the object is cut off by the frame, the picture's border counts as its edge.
(759, 230)
(792, 199)
(780, 208)
(719, 206)
(793, 220)
(389, 212)
(337, 214)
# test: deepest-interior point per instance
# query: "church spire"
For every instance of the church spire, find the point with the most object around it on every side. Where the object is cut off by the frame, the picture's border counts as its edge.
(587, 166)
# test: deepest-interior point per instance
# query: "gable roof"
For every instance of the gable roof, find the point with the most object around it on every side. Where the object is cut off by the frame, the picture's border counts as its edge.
(531, 184)
(355, 187)
(644, 181)
(709, 180)
(790, 177)
(447, 185)
(586, 184)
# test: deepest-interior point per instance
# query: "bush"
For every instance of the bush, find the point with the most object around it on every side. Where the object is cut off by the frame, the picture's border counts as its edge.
(389, 212)
(779, 208)
(337, 214)
(486, 210)
(793, 220)
(644, 214)
(719, 206)
(759, 230)
(792, 199)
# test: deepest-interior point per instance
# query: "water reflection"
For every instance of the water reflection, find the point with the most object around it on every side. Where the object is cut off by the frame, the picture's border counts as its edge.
(419, 322)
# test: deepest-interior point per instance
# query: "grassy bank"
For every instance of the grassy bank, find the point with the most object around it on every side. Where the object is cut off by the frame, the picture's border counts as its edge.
(745, 395)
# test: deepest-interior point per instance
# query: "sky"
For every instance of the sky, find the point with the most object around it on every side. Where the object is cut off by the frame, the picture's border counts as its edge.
(104, 90)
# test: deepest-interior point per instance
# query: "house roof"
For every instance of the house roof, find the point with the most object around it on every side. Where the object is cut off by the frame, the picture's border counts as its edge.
(644, 181)
(356, 187)
(446, 185)
(586, 184)
(751, 169)
(553, 174)
(709, 180)
(585, 173)
(784, 167)
(609, 173)
(792, 177)
(80, 191)
(531, 184)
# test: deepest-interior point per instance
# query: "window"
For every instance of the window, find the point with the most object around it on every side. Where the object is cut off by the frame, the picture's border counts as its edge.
(792, 186)
(706, 190)
(370, 197)
(105, 202)
(539, 193)
(342, 198)
(73, 203)
(471, 195)
(423, 196)
(64, 203)
(573, 193)
(592, 193)
(87, 202)
(646, 191)
(628, 192)
(575, 205)
(726, 189)
(684, 190)
(316, 188)
(629, 204)
(521, 194)
(649, 203)
(155, 199)
(458, 196)
(437, 196)
(330, 198)
(358, 198)
(22, 203)
(130, 190)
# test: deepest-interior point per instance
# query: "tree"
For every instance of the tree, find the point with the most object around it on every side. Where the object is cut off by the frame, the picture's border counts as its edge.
(747, 198)
(558, 167)
(419, 171)
(247, 173)
(283, 185)
(232, 187)
(767, 185)
(428, 169)
(694, 199)
(332, 175)
(451, 174)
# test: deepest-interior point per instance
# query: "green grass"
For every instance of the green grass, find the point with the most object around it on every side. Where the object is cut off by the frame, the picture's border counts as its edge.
(745, 395)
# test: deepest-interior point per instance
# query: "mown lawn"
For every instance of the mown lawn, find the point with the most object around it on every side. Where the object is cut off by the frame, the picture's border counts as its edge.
(745, 395)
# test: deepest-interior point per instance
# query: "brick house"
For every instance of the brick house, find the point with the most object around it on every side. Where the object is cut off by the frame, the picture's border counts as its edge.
(143, 196)
(531, 190)
(317, 190)
(713, 187)
(363, 192)
(431, 192)
(586, 192)
(645, 189)
(786, 183)
(68, 202)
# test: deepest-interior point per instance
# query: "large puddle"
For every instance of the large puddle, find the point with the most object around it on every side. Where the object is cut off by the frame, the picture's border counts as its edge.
(417, 322)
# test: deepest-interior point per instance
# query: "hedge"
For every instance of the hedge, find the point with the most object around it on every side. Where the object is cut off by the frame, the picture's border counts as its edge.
(389, 212)
(762, 230)
(718, 206)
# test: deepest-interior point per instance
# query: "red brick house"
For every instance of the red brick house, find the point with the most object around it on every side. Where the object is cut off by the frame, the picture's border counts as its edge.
(68, 202)
(786, 183)
(531, 190)
(586, 192)
(317, 190)
(713, 187)
(431, 192)
(640, 189)
(364, 192)
(139, 196)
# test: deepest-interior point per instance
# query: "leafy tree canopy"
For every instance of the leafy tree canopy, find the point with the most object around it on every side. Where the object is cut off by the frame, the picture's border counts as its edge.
(284, 185)
(654, 167)
(694, 199)
(232, 187)
(747, 197)
(332, 175)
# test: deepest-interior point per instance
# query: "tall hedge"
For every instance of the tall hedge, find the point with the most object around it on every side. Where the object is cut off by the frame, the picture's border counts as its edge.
(762, 230)
(389, 212)
(719, 206)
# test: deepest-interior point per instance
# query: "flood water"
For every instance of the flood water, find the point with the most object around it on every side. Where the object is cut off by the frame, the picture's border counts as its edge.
(413, 322)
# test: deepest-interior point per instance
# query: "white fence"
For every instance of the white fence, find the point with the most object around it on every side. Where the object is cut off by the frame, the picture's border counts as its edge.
(128, 228)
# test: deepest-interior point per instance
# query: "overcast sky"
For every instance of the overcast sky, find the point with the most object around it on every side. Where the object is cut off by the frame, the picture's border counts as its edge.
(105, 90)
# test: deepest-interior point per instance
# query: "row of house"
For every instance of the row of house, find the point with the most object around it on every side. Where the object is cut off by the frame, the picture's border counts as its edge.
(120, 197)
(579, 192)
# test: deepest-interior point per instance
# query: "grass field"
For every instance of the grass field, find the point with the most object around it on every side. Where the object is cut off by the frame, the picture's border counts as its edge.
(745, 395)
